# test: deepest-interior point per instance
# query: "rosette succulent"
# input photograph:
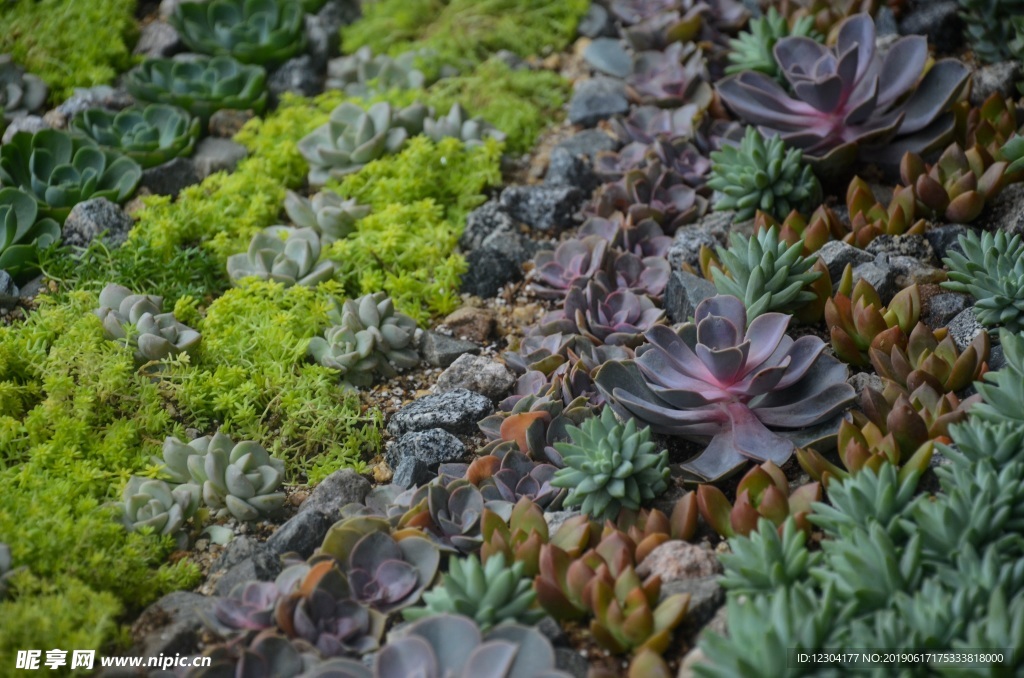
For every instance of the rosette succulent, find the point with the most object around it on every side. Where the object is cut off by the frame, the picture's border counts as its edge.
(869, 219)
(326, 212)
(21, 93)
(718, 377)
(655, 24)
(156, 335)
(369, 338)
(150, 136)
(353, 137)
(610, 466)
(508, 474)
(60, 171)
(652, 192)
(362, 73)
(644, 238)
(990, 269)
(201, 86)
(671, 77)
(449, 510)
(555, 271)
(646, 124)
(293, 259)
(932, 357)
(752, 49)
(848, 98)
(990, 27)
(266, 32)
(957, 186)
(532, 425)
(459, 125)
(822, 226)
(763, 492)
(615, 317)
(22, 232)
(762, 174)
(153, 504)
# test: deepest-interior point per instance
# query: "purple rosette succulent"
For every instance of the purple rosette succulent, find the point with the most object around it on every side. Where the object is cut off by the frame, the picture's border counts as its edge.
(556, 270)
(644, 238)
(618, 317)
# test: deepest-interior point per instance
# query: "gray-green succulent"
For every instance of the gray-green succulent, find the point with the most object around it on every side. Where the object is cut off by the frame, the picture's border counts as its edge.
(286, 255)
(266, 32)
(152, 503)
(752, 48)
(353, 137)
(457, 124)
(202, 86)
(150, 135)
(610, 466)
(22, 232)
(156, 335)
(990, 269)
(326, 212)
(369, 338)
(362, 73)
(21, 93)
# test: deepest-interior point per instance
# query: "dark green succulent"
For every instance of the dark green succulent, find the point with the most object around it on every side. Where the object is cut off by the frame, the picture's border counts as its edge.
(285, 255)
(990, 269)
(610, 466)
(151, 136)
(990, 27)
(21, 93)
(752, 48)
(60, 171)
(22, 233)
(201, 86)
(266, 32)
(363, 73)
(156, 335)
(762, 174)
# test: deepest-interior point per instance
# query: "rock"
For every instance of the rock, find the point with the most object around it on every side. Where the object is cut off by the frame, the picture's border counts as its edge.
(485, 220)
(916, 246)
(879, 274)
(684, 292)
(940, 22)
(555, 519)
(227, 122)
(513, 245)
(172, 625)
(837, 254)
(553, 631)
(477, 374)
(706, 596)
(240, 573)
(677, 559)
(566, 169)
(487, 271)
(688, 240)
(474, 324)
(432, 447)
(9, 295)
(87, 220)
(412, 472)
(945, 238)
(596, 23)
(302, 533)
(238, 549)
(323, 37)
(101, 96)
(996, 358)
(512, 60)
(964, 327)
(32, 288)
(864, 380)
(170, 178)
(885, 23)
(26, 123)
(440, 350)
(296, 76)
(335, 491)
(1005, 212)
(158, 39)
(216, 155)
(1001, 78)
(455, 411)
(609, 56)
(910, 271)
(571, 661)
(545, 208)
(597, 99)
(589, 143)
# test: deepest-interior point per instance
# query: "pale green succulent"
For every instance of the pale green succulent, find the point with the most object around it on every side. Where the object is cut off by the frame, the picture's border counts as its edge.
(610, 466)
(155, 504)
(990, 269)
(458, 124)
(752, 48)
(285, 255)
(490, 594)
(362, 73)
(368, 338)
(327, 213)
(156, 336)
(21, 93)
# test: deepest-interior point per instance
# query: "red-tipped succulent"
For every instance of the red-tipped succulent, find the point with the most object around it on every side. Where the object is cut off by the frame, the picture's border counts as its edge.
(957, 186)
(932, 357)
(762, 493)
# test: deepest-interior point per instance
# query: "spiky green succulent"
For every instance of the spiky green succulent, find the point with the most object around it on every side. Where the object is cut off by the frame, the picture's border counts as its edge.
(765, 273)
(990, 269)
(368, 338)
(490, 594)
(363, 72)
(990, 27)
(150, 503)
(155, 336)
(266, 32)
(458, 124)
(21, 93)
(22, 232)
(762, 174)
(150, 135)
(285, 255)
(752, 48)
(201, 86)
(326, 212)
(610, 466)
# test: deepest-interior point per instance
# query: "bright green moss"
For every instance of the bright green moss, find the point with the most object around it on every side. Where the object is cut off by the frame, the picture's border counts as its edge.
(47, 38)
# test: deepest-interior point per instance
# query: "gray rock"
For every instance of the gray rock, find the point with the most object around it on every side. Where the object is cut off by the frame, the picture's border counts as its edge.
(864, 380)
(910, 270)
(942, 308)
(999, 78)
(227, 122)
(301, 534)
(609, 56)
(571, 661)
(688, 240)
(513, 245)
(101, 96)
(837, 254)
(944, 238)
(456, 412)
(440, 350)
(940, 22)
(171, 177)
(433, 447)
(9, 295)
(706, 596)
(555, 519)
(485, 220)
(880, 274)
(323, 37)
(684, 292)
(266, 564)
(677, 559)
(487, 271)
(158, 39)
(512, 60)
(33, 287)
(335, 491)
(596, 22)
(885, 23)
(589, 143)
(173, 624)
(240, 573)
(996, 358)
(1005, 212)
(566, 169)
(477, 374)
(217, 155)
(597, 99)
(87, 220)
(412, 472)
(238, 549)
(26, 123)
(546, 208)
(298, 75)
(964, 327)
(553, 631)
(916, 246)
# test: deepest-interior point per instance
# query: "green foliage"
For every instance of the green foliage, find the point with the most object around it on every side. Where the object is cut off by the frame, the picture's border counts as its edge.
(265, 32)
(752, 48)
(47, 38)
(22, 232)
(767, 559)
(201, 86)
(990, 269)
(149, 135)
(990, 27)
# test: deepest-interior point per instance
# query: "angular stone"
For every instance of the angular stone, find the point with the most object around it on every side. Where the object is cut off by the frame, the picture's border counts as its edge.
(477, 374)
(323, 37)
(964, 327)
(217, 155)
(335, 491)
(571, 661)
(456, 412)
(837, 254)
(686, 290)
(706, 596)
(609, 56)
(488, 271)
(483, 221)
(172, 625)
(710, 232)
(433, 447)
(8, 291)
(238, 549)
(100, 96)
(940, 22)
(301, 534)
(512, 245)
(916, 246)
(240, 573)
(545, 208)
(555, 519)
(170, 177)
(880, 274)
(596, 22)
(29, 124)
(566, 169)
(910, 271)
(158, 39)
(1001, 78)
(941, 308)
(597, 99)
(87, 220)
(1006, 212)
(677, 559)
(412, 472)
(945, 238)
(865, 380)
(589, 143)
(227, 122)
(441, 350)
(296, 76)
(469, 322)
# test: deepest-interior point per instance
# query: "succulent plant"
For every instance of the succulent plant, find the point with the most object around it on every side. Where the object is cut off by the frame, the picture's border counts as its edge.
(60, 171)
(857, 320)
(156, 335)
(353, 137)
(670, 77)
(555, 271)
(449, 511)
(368, 338)
(267, 654)
(656, 25)
(989, 126)
(293, 259)
(822, 226)
(241, 479)
(751, 50)
(22, 232)
(644, 238)
(508, 474)
(459, 125)
(610, 466)
(604, 316)
(769, 558)
(763, 492)
(957, 186)
(327, 213)
(651, 192)
(762, 174)
(266, 32)
(153, 504)
(650, 528)
(201, 86)
(718, 377)
(533, 425)
(990, 27)
(150, 136)
(869, 219)
(647, 124)
(362, 73)
(249, 606)
(489, 594)
(990, 269)
(1013, 152)
(766, 273)
(848, 99)
(518, 540)
(21, 93)
(932, 357)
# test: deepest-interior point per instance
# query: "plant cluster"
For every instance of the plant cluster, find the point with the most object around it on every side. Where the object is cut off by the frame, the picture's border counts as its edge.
(265, 32)
(201, 86)
(150, 136)
(21, 93)
(137, 322)
(290, 256)
(363, 73)
(23, 233)
(753, 49)
(991, 269)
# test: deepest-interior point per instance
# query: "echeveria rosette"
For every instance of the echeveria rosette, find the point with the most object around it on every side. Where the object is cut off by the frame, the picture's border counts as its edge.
(21, 93)
(265, 32)
(153, 504)
(644, 238)
(668, 78)
(990, 269)
(156, 335)
(291, 260)
(23, 233)
(326, 212)
(459, 125)
(716, 377)
(60, 171)
(849, 99)
(752, 50)
(150, 136)
(201, 86)
(362, 73)
(603, 314)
